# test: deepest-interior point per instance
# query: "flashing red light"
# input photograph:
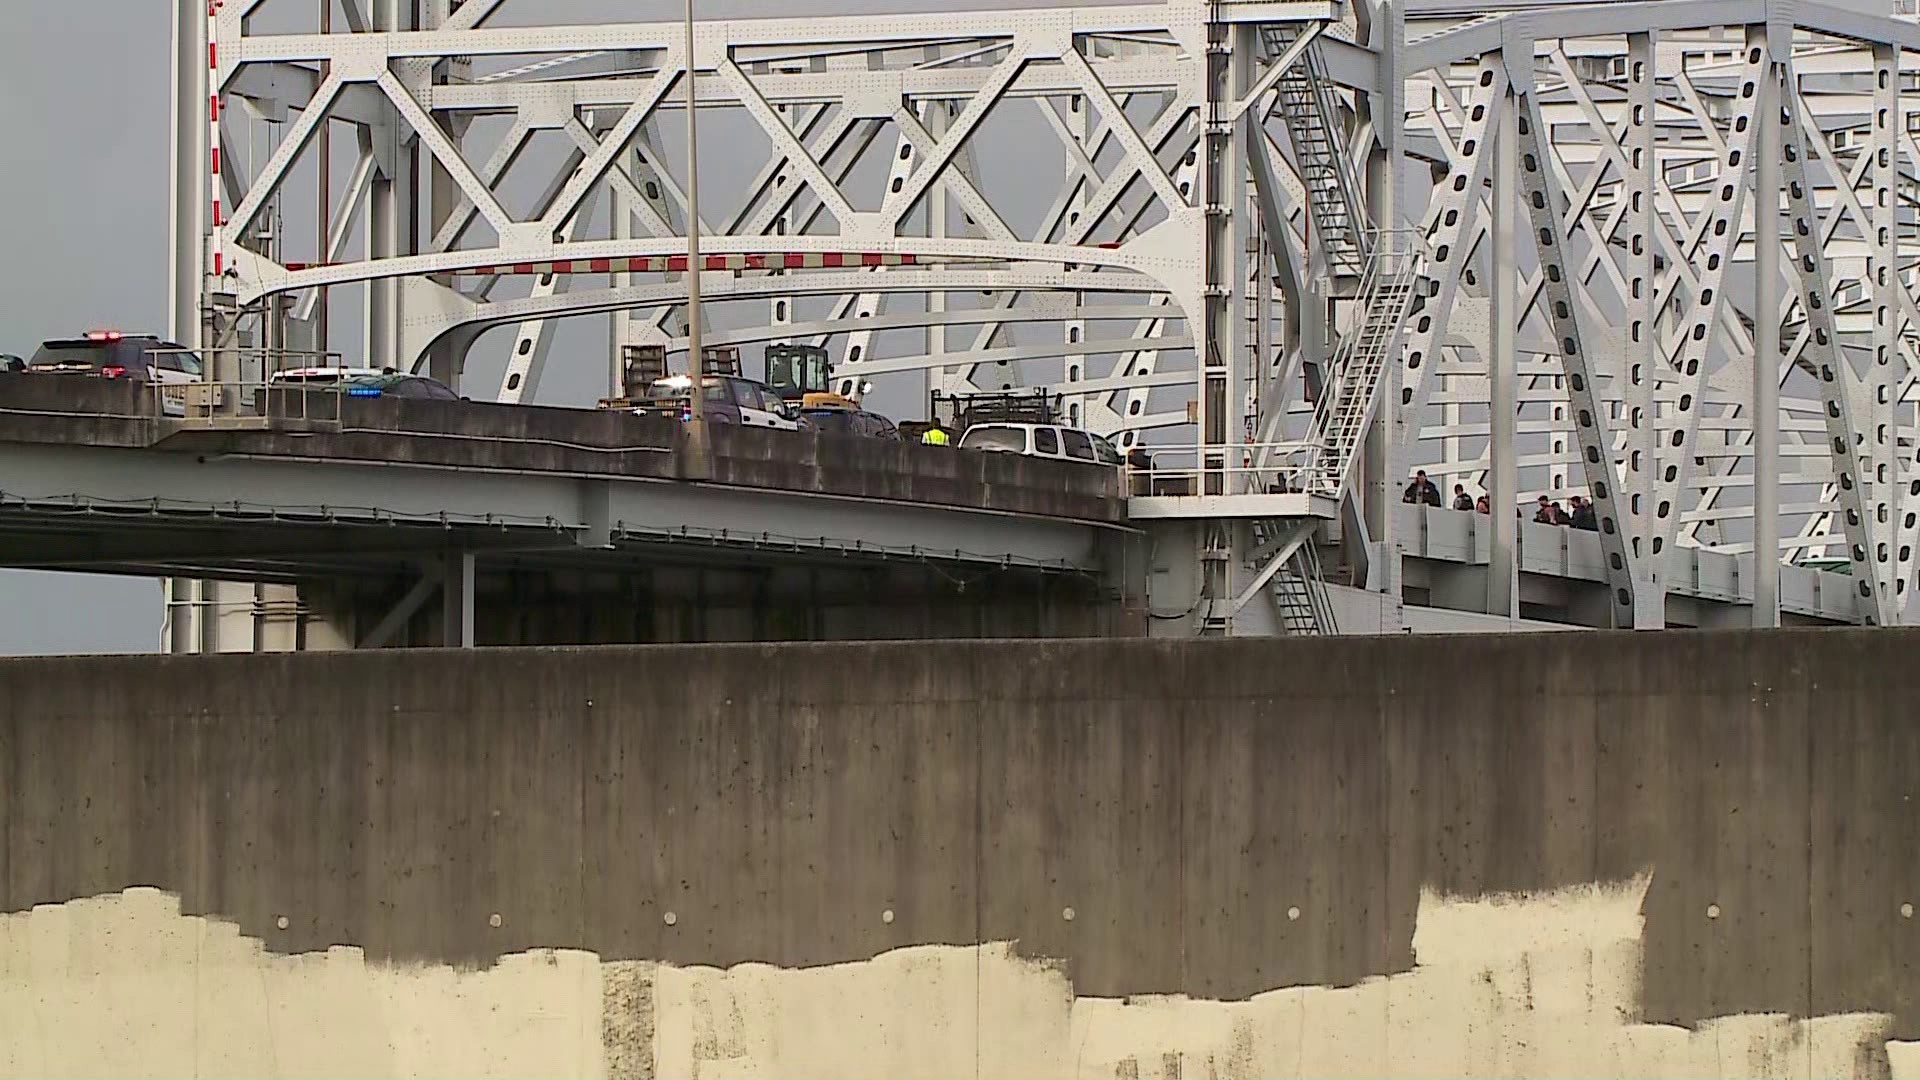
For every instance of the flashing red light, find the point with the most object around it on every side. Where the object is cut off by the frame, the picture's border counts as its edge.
(113, 371)
(104, 335)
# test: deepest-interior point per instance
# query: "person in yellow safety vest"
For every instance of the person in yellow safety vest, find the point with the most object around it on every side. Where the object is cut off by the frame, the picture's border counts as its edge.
(935, 436)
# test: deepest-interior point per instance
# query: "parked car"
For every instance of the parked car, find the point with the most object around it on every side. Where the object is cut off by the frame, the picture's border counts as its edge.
(110, 354)
(857, 422)
(725, 399)
(1042, 440)
(368, 382)
(326, 376)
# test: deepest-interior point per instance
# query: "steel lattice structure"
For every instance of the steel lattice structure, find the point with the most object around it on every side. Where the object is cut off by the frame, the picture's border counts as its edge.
(1295, 249)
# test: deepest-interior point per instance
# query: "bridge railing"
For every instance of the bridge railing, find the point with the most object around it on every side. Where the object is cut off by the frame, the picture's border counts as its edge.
(1250, 468)
(244, 404)
(174, 384)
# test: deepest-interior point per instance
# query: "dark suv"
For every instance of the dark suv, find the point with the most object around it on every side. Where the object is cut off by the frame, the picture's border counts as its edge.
(108, 355)
(857, 422)
(140, 358)
(724, 400)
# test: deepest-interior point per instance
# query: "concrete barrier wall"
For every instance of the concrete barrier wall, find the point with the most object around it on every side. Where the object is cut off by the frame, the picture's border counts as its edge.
(1593, 855)
(585, 442)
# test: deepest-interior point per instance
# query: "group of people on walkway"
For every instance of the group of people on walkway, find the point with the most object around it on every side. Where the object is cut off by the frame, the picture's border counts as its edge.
(1423, 492)
(1582, 516)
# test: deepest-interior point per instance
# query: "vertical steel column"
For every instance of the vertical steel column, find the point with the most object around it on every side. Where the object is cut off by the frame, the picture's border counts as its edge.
(620, 321)
(189, 234)
(387, 214)
(1545, 214)
(1880, 465)
(1643, 353)
(1386, 108)
(1765, 410)
(1222, 184)
(695, 323)
(780, 308)
(187, 181)
(323, 198)
(1824, 353)
(178, 637)
(939, 119)
(457, 599)
(1219, 182)
(1080, 116)
(1377, 486)
(1241, 233)
(1503, 565)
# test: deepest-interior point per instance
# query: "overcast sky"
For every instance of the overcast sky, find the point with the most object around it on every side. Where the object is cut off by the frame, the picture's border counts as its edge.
(83, 107)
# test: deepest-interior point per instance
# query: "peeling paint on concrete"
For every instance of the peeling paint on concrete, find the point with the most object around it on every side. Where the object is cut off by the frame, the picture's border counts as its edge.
(126, 986)
(1516, 986)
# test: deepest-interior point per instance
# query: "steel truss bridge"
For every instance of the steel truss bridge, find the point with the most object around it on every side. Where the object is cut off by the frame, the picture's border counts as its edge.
(1661, 255)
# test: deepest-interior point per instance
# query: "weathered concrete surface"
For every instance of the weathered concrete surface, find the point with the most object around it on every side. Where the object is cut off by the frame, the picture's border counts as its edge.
(1687, 854)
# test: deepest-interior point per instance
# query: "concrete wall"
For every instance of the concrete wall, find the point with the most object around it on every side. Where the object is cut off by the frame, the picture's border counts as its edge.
(1553, 854)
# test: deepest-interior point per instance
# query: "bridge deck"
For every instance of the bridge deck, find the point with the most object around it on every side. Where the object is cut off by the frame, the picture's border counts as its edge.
(88, 482)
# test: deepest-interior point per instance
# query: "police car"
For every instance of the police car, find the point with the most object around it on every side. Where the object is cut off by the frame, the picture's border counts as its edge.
(110, 354)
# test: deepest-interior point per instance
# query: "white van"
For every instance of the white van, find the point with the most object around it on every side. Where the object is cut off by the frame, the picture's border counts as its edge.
(1041, 440)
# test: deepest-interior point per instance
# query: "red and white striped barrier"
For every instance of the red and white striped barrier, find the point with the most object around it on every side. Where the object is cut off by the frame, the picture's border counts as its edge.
(216, 253)
(677, 264)
(669, 264)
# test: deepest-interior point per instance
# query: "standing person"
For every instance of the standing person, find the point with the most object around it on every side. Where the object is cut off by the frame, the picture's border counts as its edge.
(936, 435)
(1422, 490)
(1461, 500)
(1584, 516)
(1545, 514)
(1483, 505)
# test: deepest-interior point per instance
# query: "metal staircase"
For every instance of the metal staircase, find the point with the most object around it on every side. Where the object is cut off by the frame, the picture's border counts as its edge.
(1298, 588)
(1300, 596)
(1347, 401)
(1311, 112)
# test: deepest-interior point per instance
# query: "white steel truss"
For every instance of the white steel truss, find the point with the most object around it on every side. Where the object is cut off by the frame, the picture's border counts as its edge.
(1169, 211)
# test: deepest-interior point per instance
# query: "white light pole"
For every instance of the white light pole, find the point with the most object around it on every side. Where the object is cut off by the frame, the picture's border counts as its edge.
(697, 408)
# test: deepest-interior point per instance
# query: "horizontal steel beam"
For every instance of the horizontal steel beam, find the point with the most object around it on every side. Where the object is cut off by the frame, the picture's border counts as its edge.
(862, 32)
(812, 87)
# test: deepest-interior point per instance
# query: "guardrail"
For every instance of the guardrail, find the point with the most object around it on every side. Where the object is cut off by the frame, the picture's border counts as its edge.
(1231, 469)
(243, 404)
